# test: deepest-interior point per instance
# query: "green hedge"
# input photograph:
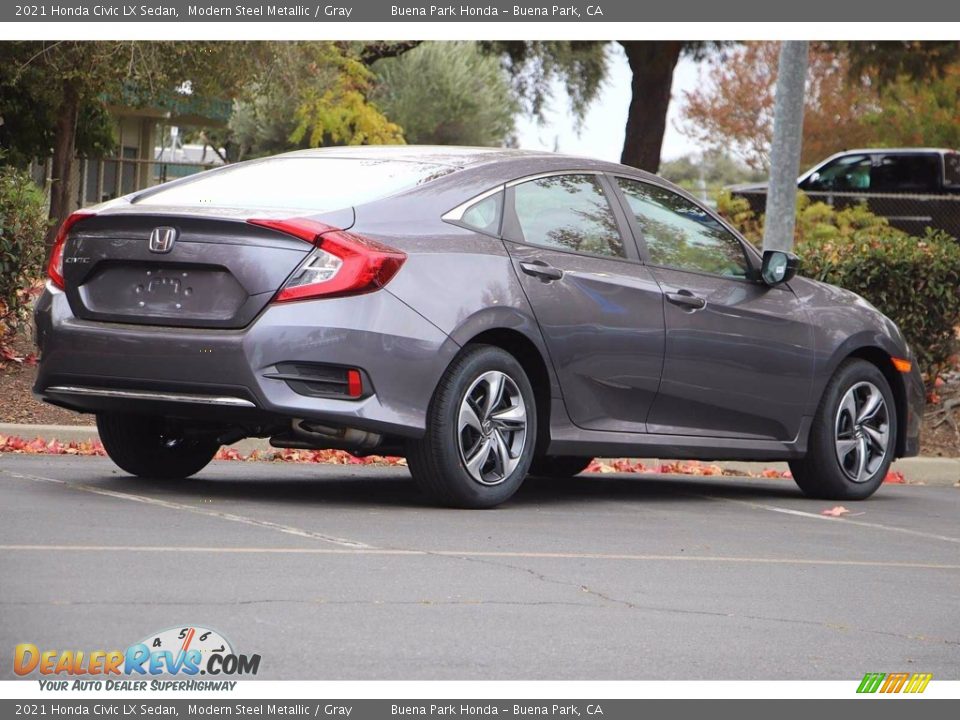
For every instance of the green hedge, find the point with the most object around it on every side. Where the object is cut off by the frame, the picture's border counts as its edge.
(915, 281)
(23, 225)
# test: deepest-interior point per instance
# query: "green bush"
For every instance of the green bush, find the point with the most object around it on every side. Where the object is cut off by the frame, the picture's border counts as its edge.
(915, 281)
(23, 225)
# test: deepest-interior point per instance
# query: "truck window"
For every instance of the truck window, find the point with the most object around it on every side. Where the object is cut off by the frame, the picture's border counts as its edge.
(951, 170)
(906, 173)
(849, 173)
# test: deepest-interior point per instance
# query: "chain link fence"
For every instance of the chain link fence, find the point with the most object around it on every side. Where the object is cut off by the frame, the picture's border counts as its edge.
(908, 212)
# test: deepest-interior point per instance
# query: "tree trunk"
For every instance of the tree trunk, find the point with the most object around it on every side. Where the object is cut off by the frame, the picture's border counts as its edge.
(62, 200)
(652, 64)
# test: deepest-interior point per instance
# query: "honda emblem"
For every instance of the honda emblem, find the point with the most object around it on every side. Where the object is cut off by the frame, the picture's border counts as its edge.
(162, 239)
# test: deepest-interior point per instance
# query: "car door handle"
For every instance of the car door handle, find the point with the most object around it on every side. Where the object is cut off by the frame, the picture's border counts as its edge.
(539, 269)
(686, 300)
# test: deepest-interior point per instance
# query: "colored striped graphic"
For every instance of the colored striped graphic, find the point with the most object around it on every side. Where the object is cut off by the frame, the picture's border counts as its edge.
(894, 682)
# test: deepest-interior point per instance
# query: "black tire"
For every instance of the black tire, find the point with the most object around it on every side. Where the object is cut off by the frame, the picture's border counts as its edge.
(821, 474)
(437, 461)
(559, 466)
(148, 448)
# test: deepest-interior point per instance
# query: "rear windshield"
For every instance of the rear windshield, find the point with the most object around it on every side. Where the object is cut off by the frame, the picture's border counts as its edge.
(297, 183)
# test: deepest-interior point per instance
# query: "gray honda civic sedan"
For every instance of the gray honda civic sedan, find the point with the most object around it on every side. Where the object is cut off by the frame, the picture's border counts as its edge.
(486, 313)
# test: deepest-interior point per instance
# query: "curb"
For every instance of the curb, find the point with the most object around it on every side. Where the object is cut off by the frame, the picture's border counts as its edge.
(921, 470)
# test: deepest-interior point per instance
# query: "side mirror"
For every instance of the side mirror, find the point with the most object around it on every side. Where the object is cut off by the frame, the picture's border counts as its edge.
(778, 267)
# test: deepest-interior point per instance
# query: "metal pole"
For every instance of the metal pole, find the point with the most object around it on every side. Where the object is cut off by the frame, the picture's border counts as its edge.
(785, 153)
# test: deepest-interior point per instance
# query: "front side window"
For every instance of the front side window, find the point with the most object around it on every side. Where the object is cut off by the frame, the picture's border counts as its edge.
(568, 212)
(845, 174)
(679, 234)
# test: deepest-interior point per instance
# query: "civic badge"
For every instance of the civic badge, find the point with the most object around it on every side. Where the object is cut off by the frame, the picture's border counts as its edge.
(162, 239)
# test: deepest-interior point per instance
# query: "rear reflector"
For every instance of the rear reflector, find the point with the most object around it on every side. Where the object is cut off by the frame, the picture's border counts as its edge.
(55, 266)
(354, 383)
(902, 365)
(342, 264)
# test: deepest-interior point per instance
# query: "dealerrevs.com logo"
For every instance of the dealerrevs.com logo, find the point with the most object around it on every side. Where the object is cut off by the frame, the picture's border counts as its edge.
(182, 651)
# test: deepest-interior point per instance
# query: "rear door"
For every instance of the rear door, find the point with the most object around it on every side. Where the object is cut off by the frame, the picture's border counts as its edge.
(599, 310)
(739, 355)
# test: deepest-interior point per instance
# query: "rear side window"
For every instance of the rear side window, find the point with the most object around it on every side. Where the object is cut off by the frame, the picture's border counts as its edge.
(906, 173)
(297, 183)
(484, 215)
(569, 212)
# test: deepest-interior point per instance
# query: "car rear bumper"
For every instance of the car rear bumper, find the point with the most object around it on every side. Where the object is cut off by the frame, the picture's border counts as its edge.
(223, 374)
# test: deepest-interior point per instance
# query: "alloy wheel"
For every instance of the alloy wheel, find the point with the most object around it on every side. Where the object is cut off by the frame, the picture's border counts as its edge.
(862, 431)
(492, 428)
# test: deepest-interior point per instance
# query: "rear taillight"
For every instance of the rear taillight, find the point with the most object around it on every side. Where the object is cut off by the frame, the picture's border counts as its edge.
(343, 263)
(55, 266)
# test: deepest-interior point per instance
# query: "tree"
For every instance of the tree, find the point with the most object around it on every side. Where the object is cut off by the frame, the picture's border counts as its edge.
(447, 93)
(713, 168)
(733, 109)
(858, 94)
(307, 94)
(67, 76)
(919, 114)
(582, 66)
(58, 91)
(534, 65)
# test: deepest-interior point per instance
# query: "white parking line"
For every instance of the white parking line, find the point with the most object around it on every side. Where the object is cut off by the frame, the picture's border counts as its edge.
(266, 524)
(830, 518)
(476, 554)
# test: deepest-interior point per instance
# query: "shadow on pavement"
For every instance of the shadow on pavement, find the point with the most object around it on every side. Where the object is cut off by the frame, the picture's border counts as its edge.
(393, 487)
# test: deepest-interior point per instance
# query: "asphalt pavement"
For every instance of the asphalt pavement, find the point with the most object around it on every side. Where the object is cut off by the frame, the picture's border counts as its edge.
(342, 572)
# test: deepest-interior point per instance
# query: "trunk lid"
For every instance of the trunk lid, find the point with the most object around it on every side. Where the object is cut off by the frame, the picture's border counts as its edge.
(205, 269)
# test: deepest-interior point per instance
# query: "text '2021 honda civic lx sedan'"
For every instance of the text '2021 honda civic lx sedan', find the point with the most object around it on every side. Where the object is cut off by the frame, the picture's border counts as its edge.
(486, 313)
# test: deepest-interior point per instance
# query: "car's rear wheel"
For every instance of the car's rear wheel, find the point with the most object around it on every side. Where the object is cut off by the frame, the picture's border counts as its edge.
(153, 447)
(481, 430)
(559, 466)
(853, 438)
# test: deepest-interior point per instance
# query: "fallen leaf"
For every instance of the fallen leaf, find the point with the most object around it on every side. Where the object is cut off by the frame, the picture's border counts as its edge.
(835, 511)
(895, 478)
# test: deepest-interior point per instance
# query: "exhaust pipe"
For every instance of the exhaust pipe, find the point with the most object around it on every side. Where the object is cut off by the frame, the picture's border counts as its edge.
(307, 434)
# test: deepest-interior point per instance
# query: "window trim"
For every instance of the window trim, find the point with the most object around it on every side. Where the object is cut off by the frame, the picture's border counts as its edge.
(751, 254)
(631, 254)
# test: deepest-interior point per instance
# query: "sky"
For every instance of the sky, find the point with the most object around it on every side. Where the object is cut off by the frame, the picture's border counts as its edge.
(602, 133)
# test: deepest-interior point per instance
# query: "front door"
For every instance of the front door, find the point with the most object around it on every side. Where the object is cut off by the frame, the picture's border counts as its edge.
(599, 310)
(738, 360)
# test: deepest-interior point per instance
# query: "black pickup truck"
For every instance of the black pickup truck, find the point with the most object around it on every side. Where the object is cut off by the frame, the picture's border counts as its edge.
(914, 188)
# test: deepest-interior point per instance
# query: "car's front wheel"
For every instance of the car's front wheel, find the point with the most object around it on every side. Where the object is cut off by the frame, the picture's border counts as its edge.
(481, 430)
(151, 447)
(853, 438)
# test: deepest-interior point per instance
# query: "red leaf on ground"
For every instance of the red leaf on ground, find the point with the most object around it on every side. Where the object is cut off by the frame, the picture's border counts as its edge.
(895, 477)
(836, 511)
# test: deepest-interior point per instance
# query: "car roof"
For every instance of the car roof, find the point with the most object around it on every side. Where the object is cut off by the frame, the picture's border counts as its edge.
(461, 158)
